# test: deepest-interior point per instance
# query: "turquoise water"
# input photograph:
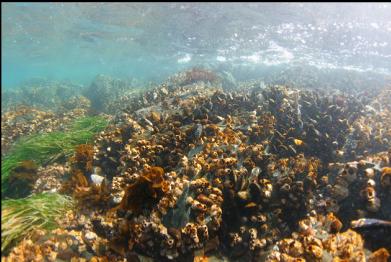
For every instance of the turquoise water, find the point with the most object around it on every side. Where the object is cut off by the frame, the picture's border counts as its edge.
(76, 41)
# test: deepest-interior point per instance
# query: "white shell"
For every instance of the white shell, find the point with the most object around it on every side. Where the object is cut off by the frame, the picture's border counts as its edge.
(255, 171)
(90, 236)
(96, 179)
(371, 183)
(117, 199)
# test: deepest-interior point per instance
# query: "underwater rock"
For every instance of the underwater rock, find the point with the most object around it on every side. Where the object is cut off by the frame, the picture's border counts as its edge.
(315, 242)
(50, 178)
(30, 94)
(79, 102)
(23, 121)
(188, 168)
(104, 89)
(57, 245)
(198, 74)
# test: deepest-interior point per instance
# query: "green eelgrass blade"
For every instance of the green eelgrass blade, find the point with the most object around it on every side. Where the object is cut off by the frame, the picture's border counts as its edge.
(19, 217)
(47, 148)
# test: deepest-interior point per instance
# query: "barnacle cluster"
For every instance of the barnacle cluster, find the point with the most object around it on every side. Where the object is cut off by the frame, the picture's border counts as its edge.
(88, 188)
(190, 169)
(58, 245)
(319, 239)
(371, 132)
(25, 120)
(360, 188)
(49, 178)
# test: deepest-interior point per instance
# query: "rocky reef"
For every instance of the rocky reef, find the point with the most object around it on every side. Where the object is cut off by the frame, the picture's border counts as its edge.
(23, 121)
(190, 170)
(43, 94)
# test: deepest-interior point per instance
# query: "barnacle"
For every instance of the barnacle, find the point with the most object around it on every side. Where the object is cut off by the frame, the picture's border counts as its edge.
(334, 223)
(323, 242)
(380, 255)
(386, 177)
(314, 251)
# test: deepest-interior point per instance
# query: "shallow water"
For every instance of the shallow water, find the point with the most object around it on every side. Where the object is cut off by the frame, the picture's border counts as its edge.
(196, 131)
(76, 41)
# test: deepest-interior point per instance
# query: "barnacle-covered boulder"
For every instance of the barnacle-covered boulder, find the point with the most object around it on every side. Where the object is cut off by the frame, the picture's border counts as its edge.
(104, 89)
(319, 240)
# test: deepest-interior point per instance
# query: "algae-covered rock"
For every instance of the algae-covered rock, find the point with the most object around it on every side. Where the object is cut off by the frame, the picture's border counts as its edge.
(22, 179)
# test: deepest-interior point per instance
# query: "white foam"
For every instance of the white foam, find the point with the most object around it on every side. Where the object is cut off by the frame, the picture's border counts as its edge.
(221, 58)
(254, 58)
(185, 59)
(375, 25)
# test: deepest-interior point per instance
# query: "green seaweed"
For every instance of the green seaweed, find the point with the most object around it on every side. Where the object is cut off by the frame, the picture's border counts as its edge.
(20, 217)
(49, 147)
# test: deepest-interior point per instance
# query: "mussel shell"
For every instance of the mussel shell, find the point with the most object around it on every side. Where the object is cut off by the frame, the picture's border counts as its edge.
(255, 191)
